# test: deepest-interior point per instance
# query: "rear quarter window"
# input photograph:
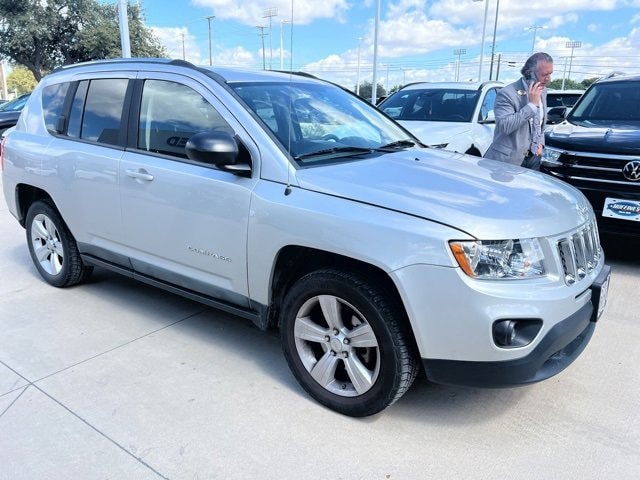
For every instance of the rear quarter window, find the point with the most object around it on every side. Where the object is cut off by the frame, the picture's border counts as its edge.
(53, 98)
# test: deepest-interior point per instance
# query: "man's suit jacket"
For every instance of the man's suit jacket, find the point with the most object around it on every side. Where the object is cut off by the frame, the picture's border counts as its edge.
(514, 124)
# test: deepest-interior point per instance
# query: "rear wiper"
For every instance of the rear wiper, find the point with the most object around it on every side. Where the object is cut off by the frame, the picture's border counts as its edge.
(335, 150)
(398, 144)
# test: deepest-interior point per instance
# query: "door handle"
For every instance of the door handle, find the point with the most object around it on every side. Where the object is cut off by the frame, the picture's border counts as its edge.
(140, 174)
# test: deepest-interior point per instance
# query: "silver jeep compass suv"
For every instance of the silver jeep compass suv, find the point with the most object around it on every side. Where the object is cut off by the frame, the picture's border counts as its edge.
(288, 201)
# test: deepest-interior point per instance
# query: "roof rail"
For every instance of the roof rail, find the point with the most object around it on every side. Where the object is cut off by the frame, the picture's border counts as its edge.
(615, 73)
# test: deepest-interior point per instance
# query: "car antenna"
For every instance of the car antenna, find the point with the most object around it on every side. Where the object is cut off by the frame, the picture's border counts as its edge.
(287, 190)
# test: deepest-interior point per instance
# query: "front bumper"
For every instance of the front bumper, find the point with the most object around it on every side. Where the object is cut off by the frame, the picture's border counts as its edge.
(556, 351)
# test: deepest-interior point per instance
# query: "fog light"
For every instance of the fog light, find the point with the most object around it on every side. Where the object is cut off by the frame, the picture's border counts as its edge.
(515, 333)
(504, 333)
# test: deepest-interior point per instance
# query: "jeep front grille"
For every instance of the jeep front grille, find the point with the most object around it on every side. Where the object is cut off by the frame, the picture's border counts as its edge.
(580, 253)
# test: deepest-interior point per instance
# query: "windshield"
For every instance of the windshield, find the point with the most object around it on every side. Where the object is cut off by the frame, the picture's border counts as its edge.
(562, 99)
(431, 105)
(15, 104)
(609, 104)
(321, 122)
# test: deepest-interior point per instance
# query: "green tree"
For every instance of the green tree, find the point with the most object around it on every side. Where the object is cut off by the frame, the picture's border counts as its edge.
(45, 35)
(21, 80)
(366, 89)
(588, 81)
(568, 84)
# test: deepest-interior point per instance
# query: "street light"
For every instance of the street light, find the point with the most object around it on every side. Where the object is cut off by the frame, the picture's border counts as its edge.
(484, 29)
(572, 46)
(493, 45)
(374, 86)
(210, 54)
(458, 52)
(535, 29)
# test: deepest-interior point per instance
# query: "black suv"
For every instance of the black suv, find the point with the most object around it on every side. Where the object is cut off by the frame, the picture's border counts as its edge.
(597, 149)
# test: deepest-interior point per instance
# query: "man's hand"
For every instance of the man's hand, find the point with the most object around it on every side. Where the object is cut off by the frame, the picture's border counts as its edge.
(534, 93)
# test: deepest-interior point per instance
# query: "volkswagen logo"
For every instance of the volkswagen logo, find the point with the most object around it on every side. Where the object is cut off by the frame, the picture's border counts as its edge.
(631, 171)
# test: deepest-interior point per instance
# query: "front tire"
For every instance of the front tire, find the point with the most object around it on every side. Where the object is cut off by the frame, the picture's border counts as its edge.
(346, 343)
(52, 247)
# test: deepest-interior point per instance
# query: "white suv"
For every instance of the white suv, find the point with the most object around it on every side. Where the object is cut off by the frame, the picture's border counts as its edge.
(289, 201)
(456, 116)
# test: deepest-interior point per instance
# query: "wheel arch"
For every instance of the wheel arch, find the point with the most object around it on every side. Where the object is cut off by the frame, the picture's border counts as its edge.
(27, 195)
(293, 262)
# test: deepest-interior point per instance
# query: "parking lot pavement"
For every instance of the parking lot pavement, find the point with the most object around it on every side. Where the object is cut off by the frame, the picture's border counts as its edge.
(114, 379)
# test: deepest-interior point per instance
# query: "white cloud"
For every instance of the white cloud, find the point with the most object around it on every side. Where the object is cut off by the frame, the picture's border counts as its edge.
(252, 12)
(179, 41)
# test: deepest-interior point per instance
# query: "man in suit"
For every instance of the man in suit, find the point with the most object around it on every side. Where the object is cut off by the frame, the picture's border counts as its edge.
(520, 111)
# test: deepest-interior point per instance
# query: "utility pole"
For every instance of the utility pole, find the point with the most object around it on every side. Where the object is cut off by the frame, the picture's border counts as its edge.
(210, 54)
(572, 46)
(183, 50)
(264, 66)
(458, 52)
(270, 13)
(535, 29)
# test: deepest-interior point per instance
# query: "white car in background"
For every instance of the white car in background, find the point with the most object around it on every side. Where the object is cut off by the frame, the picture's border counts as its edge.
(456, 116)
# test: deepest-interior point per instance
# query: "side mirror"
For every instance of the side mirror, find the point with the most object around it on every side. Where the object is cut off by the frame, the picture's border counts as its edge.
(556, 115)
(217, 148)
(490, 118)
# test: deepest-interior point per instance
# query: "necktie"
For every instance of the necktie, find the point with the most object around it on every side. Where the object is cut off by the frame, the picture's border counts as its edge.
(536, 131)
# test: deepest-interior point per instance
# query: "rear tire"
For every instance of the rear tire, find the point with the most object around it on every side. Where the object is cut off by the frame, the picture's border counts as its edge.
(52, 247)
(346, 342)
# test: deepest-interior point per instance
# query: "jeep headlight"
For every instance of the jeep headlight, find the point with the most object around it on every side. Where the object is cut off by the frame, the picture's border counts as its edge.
(499, 259)
(551, 156)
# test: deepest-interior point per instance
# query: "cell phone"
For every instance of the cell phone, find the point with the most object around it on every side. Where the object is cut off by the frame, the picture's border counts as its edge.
(531, 77)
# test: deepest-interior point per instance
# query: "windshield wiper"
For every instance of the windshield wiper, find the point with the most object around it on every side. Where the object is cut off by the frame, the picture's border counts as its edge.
(344, 151)
(399, 144)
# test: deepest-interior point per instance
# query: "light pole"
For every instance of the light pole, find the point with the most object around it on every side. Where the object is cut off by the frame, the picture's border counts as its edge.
(484, 29)
(210, 54)
(183, 50)
(493, 45)
(535, 29)
(458, 52)
(374, 87)
(572, 46)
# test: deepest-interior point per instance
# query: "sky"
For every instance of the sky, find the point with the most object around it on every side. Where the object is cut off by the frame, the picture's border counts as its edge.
(417, 40)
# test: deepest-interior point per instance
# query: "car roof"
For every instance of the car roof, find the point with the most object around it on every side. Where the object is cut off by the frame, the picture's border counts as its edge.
(564, 92)
(227, 74)
(471, 86)
(616, 77)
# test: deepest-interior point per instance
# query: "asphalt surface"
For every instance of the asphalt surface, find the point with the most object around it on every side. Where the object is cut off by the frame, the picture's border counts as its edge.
(116, 380)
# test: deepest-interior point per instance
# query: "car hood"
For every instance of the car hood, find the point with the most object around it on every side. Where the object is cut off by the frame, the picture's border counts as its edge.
(485, 198)
(9, 115)
(436, 133)
(622, 140)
